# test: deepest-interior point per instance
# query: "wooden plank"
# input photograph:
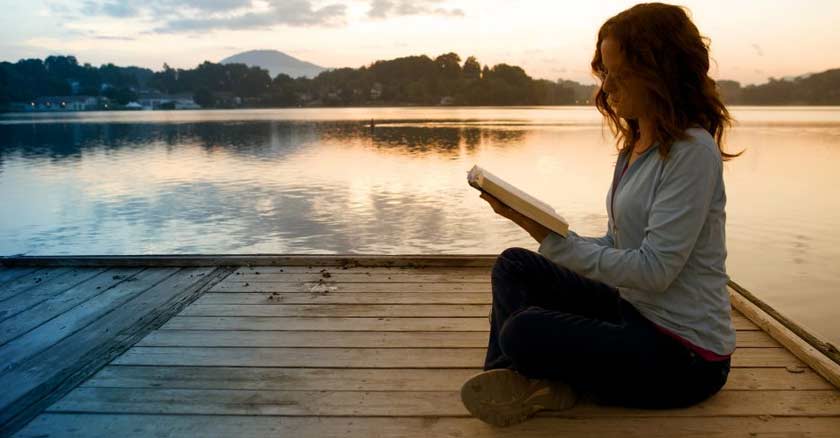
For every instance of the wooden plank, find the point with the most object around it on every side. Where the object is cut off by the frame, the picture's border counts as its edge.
(775, 378)
(371, 379)
(740, 322)
(345, 298)
(360, 310)
(30, 281)
(363, 277)
(376, 270)
(316, 357)
(47, 376)
(349, 324)
(331, 287)
(340, 310)
(326, 324)
(130, 426)
(43, 312)
(33, 342)
(46, 290)
(289, 379)
(822, 364)
(422, 339)
(304, 357)
(9, 274)
(239, 338)
(822, 345)
(754, 338)
(410, 403)
(213, 260)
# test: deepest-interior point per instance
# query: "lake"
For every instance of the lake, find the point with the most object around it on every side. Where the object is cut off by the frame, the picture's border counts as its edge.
(321, 181)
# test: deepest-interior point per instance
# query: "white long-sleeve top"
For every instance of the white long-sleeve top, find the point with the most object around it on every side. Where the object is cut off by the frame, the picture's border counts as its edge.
(665, 247)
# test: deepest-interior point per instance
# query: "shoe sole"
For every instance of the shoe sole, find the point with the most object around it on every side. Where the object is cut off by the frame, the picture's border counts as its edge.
(504, 397)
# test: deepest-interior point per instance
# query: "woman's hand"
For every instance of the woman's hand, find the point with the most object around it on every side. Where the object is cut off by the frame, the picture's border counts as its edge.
(535, 229)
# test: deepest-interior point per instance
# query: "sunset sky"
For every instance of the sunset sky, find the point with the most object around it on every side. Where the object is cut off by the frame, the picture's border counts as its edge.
(751, 40)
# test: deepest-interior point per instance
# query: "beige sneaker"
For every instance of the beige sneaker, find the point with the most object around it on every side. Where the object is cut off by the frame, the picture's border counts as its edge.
(504, 397)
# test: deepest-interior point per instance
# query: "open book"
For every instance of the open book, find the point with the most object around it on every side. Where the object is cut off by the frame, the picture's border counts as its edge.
(518, 200)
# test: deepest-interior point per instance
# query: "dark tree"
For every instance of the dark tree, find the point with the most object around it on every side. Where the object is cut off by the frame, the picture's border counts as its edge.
(471, 69)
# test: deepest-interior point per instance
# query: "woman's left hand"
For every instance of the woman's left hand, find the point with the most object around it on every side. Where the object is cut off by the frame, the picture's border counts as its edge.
(534, 228)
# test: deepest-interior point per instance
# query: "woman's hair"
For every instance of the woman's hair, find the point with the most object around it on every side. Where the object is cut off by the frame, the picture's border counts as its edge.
(665, 52)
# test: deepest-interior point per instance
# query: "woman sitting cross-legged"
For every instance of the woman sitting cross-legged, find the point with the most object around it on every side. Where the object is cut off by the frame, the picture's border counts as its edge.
(639, 317)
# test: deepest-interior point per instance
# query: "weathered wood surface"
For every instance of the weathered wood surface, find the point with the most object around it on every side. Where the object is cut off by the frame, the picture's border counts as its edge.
(356, 353)
(373, 379)
(767, 313)
(129, 426)
(815, 359)
(47, 290)
(303, 260)
(346, 298)
(9, 274)
(410, 403)
(44, 359)
(363, 277)
(28, 339)
(382, 323)
(341, 310)
(371, 339)
(329, 286)
(337, 357)
(14, 326)
(31, 281)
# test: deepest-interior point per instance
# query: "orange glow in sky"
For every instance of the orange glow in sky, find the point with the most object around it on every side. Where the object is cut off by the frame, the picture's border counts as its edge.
(751, 40)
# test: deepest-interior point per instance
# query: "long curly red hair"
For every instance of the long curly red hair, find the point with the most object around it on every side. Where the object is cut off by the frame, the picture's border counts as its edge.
(664, 50)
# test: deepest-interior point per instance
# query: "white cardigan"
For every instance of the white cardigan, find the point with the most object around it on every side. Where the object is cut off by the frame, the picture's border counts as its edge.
(665, 247)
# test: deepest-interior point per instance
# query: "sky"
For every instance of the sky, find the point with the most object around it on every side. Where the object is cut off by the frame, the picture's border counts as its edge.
(751, 40)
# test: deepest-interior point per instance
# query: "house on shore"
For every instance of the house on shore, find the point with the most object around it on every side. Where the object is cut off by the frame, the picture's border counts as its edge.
(153, 100)
(58, 103)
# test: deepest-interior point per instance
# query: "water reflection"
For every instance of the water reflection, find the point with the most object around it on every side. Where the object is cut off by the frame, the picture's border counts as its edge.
(257, 139)
(258, 186)
(299, 182)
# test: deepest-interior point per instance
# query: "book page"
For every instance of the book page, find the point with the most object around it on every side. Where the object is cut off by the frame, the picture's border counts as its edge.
(476, 172)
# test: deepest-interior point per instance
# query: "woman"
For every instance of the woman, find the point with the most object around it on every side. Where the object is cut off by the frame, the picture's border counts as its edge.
(639, 317)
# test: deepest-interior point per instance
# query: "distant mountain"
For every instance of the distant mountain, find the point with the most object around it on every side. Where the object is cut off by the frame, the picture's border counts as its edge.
(275, 62)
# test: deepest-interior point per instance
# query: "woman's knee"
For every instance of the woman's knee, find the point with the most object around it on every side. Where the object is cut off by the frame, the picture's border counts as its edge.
(509, 261)
(509, 265)
(516, 333)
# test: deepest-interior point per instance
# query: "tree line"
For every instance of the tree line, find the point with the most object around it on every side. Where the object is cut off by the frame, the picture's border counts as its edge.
(411, 80)
(814, 89)
(28, 79)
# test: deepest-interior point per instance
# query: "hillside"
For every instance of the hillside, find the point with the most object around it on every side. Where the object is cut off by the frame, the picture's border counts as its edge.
(275, 62)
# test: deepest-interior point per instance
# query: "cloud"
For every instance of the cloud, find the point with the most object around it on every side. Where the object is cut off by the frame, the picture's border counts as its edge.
(156, 8)
(386, 8)
(174, 16)
(111, 8)
(758, 50)
(112, 38)
(289, 12)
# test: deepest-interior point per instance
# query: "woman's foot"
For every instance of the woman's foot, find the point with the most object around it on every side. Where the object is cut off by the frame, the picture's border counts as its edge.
(503, 397)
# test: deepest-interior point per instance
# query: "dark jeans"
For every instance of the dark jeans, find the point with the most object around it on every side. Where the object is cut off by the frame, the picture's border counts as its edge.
(549, 322)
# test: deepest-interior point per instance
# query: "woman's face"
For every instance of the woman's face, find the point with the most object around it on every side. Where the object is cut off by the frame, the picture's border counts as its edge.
(625, 94)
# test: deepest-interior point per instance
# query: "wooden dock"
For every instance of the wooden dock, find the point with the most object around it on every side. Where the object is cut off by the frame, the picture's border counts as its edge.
(325, 346)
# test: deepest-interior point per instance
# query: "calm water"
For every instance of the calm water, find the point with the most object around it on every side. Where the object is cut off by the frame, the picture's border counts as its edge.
(316, 181)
